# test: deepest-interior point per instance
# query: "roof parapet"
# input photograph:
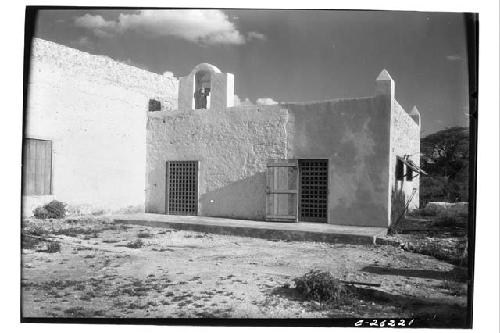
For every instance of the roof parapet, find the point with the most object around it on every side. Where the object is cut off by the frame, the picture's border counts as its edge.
(415, 114)
(385, 84)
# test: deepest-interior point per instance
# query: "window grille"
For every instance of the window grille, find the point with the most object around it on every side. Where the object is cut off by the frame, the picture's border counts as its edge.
(313, 190)
(182, 188)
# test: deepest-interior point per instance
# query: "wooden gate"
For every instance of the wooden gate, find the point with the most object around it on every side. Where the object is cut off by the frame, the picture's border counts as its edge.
(282, 190)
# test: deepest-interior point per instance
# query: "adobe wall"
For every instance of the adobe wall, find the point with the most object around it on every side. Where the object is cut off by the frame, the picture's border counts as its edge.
(232, 145)
(405, 140)
(94, 110)
(354, 136)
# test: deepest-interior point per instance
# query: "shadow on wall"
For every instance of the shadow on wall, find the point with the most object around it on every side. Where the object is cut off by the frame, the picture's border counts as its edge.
(242, 199)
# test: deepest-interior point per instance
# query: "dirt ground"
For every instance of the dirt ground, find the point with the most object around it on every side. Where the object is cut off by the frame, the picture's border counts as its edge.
(102, 270)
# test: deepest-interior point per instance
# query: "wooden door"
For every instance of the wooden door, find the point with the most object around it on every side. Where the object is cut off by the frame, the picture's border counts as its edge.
(37, 167)
(282, 190)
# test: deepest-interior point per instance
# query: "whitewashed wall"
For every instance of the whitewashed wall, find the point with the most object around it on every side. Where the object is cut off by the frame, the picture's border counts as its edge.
(94, 109)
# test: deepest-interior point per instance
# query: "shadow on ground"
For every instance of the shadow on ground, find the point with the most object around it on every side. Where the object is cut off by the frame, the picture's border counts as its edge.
(431, 312)
(456, 274)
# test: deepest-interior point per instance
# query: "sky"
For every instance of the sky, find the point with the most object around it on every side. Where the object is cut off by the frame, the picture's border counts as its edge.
(289, 55)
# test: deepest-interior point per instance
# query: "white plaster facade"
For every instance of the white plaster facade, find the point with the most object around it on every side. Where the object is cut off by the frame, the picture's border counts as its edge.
(94, 110)
(109, 152)
(359, 137)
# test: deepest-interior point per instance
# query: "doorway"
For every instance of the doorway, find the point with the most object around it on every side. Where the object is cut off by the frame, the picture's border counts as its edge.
(182, 188)
(313, 190)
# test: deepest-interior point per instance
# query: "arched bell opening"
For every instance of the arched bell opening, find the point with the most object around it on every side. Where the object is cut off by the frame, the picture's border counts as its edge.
(202, 87)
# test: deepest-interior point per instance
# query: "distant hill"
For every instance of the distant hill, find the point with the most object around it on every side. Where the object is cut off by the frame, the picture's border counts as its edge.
(445, 157)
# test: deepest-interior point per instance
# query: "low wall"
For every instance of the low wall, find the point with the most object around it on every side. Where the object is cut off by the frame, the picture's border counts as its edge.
(447, 209)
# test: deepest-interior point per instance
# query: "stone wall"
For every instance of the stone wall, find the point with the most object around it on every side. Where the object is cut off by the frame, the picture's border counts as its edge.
(232, 146)
(354, 136)
(94, 110)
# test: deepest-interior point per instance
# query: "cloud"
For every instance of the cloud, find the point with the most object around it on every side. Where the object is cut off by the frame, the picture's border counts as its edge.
(206, 27)
(99, 26)
(266, 101)
(453, 57)
(93, 22)
(83, 43)
(255, 35)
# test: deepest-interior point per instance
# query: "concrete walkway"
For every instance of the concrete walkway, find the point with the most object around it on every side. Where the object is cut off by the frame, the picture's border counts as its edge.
(316, 232)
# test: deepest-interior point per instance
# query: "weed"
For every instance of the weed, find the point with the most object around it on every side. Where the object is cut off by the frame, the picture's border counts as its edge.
(29, 242)
(422, 212)
(454, 288)
(110, 241)
(138, 243)
(77, 311)
(98, 212)
(53, 210)
(323, 287)
(449, 222)
(41, 213)
(398, 210)
(144, 234)
(75, 231)
(53, 247)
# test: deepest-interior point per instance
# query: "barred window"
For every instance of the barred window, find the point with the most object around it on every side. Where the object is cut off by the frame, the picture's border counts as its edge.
(154, 105)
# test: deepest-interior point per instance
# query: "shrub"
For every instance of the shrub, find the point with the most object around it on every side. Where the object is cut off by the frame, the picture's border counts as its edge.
(323, 287)
(56, 209)
(41, 213)
(29, 242)
(135, 244)
(144, 234)
(98, 212)
(53, 210)
(53, 247)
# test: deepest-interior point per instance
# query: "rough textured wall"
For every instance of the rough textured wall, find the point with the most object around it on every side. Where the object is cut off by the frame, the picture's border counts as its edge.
(186, 93)
(405, 140)
(94, 110)
(232, 146)
(354, 136)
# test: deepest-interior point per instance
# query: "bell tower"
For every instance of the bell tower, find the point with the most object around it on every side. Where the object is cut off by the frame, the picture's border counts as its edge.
(206, 87)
